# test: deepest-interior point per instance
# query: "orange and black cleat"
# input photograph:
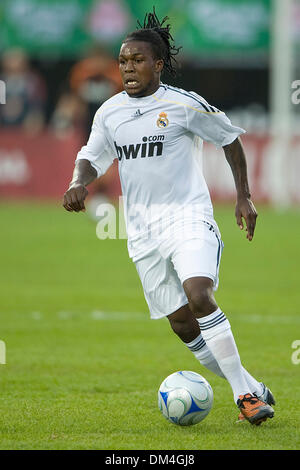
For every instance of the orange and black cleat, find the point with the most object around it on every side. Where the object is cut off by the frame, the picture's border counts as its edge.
(253, 409)
(266, 396)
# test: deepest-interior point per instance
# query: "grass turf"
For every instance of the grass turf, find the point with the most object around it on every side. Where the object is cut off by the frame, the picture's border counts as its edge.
(84, 361)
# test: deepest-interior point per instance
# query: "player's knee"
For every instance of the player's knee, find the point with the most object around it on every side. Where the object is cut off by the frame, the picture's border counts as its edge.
(202, 302)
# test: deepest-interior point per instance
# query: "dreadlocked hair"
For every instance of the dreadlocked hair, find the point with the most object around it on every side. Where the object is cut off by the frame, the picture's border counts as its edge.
(157, 33)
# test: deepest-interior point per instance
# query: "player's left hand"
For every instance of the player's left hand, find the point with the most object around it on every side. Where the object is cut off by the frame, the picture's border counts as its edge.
(245, 210)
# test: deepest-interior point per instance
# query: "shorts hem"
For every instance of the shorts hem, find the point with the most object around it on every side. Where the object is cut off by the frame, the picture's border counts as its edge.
(163, 315)
(198, 274)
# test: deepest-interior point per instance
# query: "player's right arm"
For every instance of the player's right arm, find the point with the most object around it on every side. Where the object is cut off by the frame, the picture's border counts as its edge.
(92, 161)
(83, 175)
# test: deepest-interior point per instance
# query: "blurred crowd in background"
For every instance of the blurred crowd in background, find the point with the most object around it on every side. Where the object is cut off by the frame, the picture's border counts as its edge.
(59, 63)
(29, 105)
(64, 96)
(56, 79)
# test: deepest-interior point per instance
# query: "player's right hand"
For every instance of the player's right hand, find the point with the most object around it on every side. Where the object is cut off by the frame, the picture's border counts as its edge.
(74, 198)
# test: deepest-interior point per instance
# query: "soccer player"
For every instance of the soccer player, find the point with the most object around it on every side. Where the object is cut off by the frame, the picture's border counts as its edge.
(156, 132)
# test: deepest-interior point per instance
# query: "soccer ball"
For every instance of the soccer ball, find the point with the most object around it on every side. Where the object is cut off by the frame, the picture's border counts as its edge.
(185, 398)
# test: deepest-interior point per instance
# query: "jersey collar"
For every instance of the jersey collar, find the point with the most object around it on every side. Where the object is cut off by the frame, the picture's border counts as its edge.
(147, 99)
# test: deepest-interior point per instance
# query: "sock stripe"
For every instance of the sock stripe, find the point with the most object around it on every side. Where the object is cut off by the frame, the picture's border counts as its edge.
(205, 325)
(197, 346)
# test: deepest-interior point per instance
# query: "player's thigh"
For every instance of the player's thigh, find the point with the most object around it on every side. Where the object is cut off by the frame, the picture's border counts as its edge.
(198, 257)
(163, 290)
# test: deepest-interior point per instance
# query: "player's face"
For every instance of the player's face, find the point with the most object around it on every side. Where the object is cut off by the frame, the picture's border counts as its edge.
(140, 71)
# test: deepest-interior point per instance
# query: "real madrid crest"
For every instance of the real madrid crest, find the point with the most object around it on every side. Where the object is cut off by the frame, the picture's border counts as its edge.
(162, 120)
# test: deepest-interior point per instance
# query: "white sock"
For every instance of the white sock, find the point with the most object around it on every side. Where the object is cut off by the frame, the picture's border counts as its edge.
(200, 350)
(203, 354)
(217, 334)
(253, 384)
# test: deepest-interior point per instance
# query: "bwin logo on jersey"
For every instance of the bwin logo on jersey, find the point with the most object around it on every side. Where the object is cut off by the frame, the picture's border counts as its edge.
(151, 146)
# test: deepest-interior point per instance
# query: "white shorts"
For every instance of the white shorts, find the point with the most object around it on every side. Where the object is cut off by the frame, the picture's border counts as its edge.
(164, 269)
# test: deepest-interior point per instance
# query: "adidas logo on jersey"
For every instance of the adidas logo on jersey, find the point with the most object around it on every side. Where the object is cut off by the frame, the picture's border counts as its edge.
(137, 113)
(150, 147)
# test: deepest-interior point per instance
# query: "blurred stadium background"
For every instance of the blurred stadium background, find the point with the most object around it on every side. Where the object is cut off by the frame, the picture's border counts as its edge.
(71, 307)
(58, 65)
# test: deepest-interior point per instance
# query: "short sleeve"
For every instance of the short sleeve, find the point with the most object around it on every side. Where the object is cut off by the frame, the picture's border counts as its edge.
(209, 123)
(97, 150)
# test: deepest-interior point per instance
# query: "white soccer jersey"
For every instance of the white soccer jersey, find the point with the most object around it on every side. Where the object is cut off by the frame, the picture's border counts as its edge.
(158, 142)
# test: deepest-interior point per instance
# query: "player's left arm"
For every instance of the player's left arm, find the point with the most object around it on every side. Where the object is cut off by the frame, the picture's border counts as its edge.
(245, 209)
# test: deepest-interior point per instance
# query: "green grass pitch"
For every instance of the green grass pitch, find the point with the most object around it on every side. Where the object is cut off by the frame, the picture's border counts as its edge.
(84, 361)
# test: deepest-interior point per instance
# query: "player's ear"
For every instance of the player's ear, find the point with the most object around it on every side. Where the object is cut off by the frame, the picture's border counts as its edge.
(159, 65)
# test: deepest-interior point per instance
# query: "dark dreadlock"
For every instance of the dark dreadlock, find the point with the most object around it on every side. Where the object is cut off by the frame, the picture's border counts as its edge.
(157, 33)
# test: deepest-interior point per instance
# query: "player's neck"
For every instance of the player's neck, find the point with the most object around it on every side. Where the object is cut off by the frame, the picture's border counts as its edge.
(147, 92)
